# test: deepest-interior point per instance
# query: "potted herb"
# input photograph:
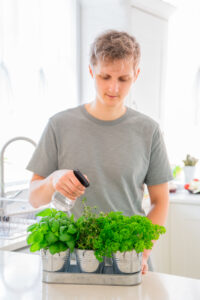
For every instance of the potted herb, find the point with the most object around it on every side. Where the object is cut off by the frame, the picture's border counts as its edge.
(113, 235)
(125, 238)
(189, 168)
(54, 235)
(88, 231)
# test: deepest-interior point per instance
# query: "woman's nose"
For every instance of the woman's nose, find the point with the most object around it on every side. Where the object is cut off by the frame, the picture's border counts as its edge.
(114, 87)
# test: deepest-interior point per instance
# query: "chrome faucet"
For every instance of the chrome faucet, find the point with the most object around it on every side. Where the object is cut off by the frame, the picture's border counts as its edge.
(2, 183)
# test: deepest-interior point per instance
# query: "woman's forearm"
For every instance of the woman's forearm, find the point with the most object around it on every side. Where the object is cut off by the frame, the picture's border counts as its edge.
(159, 196)
(158, 213)
(41, 191)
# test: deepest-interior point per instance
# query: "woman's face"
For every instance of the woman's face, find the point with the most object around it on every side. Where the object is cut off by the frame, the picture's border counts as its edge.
(113, 81)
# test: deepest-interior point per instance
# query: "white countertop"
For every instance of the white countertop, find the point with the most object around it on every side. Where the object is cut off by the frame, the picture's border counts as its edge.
(13, 244)
(184, 197)
(21, 278)
(180, 197)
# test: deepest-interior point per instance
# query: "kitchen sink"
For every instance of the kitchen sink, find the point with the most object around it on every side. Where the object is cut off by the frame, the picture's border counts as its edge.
(15, 216)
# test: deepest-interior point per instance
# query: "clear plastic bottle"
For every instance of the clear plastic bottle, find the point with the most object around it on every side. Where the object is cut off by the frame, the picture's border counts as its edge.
(60, 202)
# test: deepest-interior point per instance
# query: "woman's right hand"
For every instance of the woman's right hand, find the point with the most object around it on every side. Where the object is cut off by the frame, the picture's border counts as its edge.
(66, 183)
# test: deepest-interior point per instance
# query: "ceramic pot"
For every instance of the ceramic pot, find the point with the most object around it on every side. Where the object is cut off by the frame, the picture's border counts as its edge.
(189, 172)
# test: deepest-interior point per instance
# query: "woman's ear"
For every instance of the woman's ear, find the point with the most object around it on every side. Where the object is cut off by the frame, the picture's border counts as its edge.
(137, 72)
(90, 70)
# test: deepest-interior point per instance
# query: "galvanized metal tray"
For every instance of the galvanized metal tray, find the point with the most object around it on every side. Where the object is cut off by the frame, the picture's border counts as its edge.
(92, 279)
(73, 276)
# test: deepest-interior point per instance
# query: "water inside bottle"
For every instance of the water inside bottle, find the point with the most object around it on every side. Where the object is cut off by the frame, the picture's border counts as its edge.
(61, 202)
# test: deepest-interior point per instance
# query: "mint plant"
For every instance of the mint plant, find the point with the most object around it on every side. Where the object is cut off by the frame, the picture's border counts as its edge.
(55, 231)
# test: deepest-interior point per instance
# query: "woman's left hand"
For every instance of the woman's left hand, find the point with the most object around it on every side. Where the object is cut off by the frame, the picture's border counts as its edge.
(145, 256)
(144, 265)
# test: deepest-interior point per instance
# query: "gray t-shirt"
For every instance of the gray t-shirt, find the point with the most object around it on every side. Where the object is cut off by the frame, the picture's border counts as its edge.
(117, 156)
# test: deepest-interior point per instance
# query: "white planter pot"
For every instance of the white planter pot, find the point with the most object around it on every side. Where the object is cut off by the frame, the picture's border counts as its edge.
(127, 262)
(87, 261)
(56, 262)
(189, 172)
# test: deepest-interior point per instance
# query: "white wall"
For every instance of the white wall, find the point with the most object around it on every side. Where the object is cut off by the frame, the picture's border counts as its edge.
(97, 16)
(182, 107)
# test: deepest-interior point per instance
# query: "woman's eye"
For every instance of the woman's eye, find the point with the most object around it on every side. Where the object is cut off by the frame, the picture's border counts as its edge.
(120, 79)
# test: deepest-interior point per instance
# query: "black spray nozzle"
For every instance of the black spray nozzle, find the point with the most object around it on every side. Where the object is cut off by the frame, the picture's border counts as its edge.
(81, 178)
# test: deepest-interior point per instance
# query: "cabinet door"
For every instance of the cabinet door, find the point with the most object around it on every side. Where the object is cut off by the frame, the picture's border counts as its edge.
(185, 240)
(148, 91)
(160, 253)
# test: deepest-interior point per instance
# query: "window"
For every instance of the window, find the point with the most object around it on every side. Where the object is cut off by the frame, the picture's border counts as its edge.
(38, 69)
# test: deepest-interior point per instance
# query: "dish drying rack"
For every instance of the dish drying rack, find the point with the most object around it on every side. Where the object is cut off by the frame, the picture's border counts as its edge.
(15, 216)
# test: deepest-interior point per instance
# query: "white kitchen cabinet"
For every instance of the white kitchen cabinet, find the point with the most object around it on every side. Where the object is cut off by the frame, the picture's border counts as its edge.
(185, 240)
(177, 252)
(160, 255)
(161, 251)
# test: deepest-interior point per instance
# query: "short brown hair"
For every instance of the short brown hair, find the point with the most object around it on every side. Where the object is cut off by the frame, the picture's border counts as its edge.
(113, 45)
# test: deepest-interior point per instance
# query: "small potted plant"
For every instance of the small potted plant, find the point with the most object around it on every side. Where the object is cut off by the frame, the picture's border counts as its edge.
(189, 168)
(124, 239)
(88, 231)
(54, 235)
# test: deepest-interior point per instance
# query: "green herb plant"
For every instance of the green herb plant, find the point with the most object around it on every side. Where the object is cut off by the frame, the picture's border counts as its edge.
(123, 233)
(87, 227)
(190, 160)
(55, 231)
(107, 233)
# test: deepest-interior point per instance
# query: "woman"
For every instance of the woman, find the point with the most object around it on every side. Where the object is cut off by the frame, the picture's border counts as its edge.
(117, 148)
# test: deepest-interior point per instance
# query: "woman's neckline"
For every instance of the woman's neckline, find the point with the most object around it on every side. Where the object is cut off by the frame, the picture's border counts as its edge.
(104, 122)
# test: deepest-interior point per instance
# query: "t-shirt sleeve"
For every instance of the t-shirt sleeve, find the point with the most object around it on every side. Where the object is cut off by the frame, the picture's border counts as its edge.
(44, 160)
(159, 170)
